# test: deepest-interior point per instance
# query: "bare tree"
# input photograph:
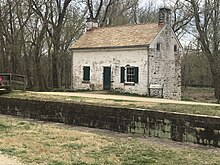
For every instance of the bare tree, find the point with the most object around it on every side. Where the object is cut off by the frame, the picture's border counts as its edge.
(148, 13)
(181, 16)
(57, 11)
(35, 35)
(207, 21)
(113, 12)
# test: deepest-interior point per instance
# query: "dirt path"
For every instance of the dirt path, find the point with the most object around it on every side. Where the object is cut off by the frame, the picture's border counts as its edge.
(127, 98)
(8, 161)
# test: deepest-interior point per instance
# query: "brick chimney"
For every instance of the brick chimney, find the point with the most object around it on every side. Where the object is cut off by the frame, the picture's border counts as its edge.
(91, 23)
(164, 16)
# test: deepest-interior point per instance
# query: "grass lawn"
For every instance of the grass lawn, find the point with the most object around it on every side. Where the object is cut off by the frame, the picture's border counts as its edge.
(57, 144)
(198, 94)
(181, 108)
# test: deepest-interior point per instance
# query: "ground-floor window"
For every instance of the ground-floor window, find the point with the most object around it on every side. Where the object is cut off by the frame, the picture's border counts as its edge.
(129, 74)
(86, 73)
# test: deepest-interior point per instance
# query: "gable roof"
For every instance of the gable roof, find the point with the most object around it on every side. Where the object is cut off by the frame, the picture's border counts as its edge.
(124, 36)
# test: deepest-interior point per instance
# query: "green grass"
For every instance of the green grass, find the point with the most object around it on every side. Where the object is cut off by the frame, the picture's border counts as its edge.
(118, 100)
(74, 146)
(198, 94)
(4, 127)
(189, 109)
(52, 144)
(8, 151)
(186, 98)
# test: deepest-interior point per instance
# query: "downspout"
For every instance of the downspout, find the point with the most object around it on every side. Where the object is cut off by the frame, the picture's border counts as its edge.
(71, 76)
(148, 69)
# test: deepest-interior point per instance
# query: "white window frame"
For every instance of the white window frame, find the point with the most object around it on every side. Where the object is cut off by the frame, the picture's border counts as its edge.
(130, 74)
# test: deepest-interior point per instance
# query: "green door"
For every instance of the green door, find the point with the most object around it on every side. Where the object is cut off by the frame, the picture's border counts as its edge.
(107, 78)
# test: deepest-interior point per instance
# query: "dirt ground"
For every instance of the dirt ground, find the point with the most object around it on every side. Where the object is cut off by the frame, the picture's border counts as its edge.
(8, 161)
(122, 97)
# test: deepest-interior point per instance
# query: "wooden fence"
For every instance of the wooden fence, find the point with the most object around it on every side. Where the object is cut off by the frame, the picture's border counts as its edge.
(13, 81)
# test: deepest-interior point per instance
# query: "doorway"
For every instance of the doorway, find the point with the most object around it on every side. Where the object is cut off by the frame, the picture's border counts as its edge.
(107, 78)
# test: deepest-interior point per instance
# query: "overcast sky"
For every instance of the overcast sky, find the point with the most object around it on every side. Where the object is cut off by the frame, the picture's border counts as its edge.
(158, 2)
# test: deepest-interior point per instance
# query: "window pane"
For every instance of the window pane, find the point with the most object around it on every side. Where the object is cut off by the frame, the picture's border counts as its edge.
(175, 48)
(130, 74)
(86, 73)
(158, 46)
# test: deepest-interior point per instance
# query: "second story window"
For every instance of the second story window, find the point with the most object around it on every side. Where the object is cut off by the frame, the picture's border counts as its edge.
(158, 47)
(175, 48)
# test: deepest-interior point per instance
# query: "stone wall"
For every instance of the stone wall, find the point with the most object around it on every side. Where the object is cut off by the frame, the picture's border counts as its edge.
(178, 127)
(114, 58)
(165, 64)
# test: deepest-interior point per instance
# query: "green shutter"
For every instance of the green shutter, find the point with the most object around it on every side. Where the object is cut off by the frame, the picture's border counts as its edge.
(86, 73)
(136, 75)
(122, 74)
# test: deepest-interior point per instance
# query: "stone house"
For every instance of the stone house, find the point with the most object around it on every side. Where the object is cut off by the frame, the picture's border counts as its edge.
(142, 59)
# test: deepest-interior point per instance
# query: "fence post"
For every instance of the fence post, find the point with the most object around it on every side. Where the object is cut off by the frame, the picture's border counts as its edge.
(25, 82)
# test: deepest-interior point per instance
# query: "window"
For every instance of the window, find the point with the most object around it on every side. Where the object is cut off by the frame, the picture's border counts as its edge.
(86, 73)
(175, 48)
(158, 47)
(129, 74)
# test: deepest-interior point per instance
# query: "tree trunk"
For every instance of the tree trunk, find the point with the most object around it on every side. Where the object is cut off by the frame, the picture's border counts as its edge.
(27, 69)
(38, 75)
(216, 80)
(217, 87)
(55, 70)
(55, 58)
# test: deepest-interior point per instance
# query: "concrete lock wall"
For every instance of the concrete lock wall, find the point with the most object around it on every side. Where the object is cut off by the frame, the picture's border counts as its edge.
(178, 127)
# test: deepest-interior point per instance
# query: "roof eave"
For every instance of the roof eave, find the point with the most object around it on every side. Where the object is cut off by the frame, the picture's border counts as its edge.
(111, 47)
